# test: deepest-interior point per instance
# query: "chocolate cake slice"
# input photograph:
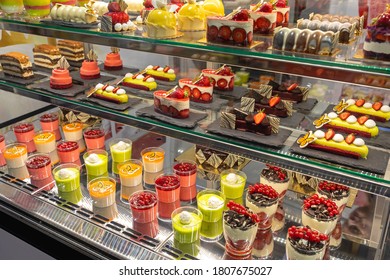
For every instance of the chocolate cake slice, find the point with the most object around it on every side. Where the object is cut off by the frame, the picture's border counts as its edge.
(269, 105)
(292, 93)
(16, 64)
(46, 56)
(73, 51)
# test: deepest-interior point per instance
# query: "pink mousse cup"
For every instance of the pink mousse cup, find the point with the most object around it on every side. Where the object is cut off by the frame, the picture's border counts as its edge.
(186, 170)
(68, 152)
(94, 137)
(168, 195)
(50, 122)
(39, 168)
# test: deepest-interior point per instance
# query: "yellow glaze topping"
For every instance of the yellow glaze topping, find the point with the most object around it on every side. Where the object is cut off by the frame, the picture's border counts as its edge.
(213, 8)
(161, 17)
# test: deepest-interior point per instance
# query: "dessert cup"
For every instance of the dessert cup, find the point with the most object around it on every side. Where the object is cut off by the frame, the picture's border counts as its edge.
(12, 7)
(153, 159)
(149, 229)
(168, 195)
(94, 137)
(50, 122)
(15, 155)
(68, 152)
(102, 192)
(279, 218)
(150, 178)
(96, 163)
(233, 183)
(239, 229)
(143, 205)
(130, 175)
(45, 142)
(186, 224)
(73, 131)
(37, 8)
(2, 146)
(39, 168)
(186, 170)
(211, 203)
(120, 152)
(304, 243)
(67, 177)
(24, 133)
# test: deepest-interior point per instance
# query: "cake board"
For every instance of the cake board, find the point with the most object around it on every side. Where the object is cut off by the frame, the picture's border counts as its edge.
(120, 73)
(69, 92)
(273, 140)
(189, 122)
(235, 94)
(21, 81)
(111, 105)
(102, 79)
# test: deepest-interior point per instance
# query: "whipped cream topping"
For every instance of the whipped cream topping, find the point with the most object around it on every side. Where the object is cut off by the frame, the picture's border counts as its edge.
(138, 20)
(350, 102)
(214, 203)
(359, 142)
(332, 115)
(319, 134)
(65, 173)
(120, 91)
(370, 123)
(385, 108)
(185, 218)
(338, 137)
(121, 146)
(171, 71)
(351, 119)
(232, 178)
(367, 105)
(140, 77)
(149, 67)
(109, 88)
(160, 69)
(99, 86)
(128, 75)
(150, 80)
(93, 158)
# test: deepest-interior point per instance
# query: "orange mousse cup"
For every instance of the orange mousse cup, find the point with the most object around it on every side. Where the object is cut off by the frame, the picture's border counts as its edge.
(15, 155)
(102, 192)
(73, 131)
(153, 159)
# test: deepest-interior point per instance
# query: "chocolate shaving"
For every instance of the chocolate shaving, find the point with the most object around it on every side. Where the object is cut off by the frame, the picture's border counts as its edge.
(306, 247)
(248, 104)
(238, 221)
(228, 120)
(92, 56)
(274, 122)
(63, 63)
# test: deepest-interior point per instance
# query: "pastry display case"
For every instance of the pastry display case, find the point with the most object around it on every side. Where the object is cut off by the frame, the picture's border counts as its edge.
(241, 114)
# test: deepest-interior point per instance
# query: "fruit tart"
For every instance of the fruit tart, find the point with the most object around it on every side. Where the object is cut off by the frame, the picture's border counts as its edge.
(139, 81)
(116, 19)
(200, 89)
(334, 143)
(161, 73)
(348, 123)
(222, 78)
(110, 93)
(234, 29)
(264, 18)
(174, 103)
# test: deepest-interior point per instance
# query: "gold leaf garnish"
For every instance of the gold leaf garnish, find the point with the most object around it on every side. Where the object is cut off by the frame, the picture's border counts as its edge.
(306, 139)
(114, 50)
(63, 63)
(324, 119)
(92, 56)
(339, 108)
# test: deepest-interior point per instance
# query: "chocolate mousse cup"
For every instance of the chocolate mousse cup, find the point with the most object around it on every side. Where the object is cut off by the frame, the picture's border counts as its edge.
(39, 168)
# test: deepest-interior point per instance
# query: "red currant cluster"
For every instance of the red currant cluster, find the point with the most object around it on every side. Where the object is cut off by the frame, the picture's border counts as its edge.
(306, 233)
(144, 199)
(240, 209)
(331, 187)
(67, 146)
(282, 174)
(94, 132)
(263, 189)
(316, 200)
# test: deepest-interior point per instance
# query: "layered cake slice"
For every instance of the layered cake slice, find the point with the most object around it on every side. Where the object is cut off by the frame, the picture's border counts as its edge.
(283, 12)
(200, 89)
(221, 78)
(234, 29)
(46, 56)
(72, 50)
(89, 69)
(291, 92)
(264, 18)
(110, 93)
(359, 107)
(161, 73)
(333, 143)
(139, 81)
(270, 105)
(174, 103)
(16, 64)
(60, 78)
(348, 123)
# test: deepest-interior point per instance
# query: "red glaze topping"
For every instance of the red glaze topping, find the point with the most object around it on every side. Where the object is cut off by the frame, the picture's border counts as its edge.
(38, 161)
(67, 146)
(167, 182)
(143, 200)
(243, 15)
(23, 127)
(185, 168)
(48, 117)
(94, 133)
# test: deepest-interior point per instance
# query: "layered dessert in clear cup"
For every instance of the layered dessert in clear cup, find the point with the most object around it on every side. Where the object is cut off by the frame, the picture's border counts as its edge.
(96, 163)
(305, 243)
(50, 122)
(211, 203)
(68, 152)
(168, 195)
(12, 7)
(73, 131)
(120, 152)
(39, 168)
(130, 174)
(67, 178)
(143, 205)
(102, 192)
(187, 171)
(37, 8)
(262, 200)
(239, 229)
(45, 142)
(24, 133)
(233, 183)
(153, 159)
(94, 137)
(186, 224)
(16, 156)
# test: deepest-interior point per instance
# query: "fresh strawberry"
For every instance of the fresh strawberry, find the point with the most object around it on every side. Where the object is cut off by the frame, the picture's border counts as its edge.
(196, 93)
(281, 4)
(212, 32)
(360, 102)
(164, 109)
(206, 97)
(249, 37)
(344, 115)
(224, 32)
(231, 83)
(186, 88)
(266, 8)
(243, 15)
(173, 111)
(350, 138)
(148, 4)
(239, 35)
(263, 24)
(157, 103)
(259, 117)
(287, 16)
(184, 113)
(377, 106)
(114, 7)
(222, 83)
(279, 18)
(292, 87)
(274, 100)
(206, 81)
(361, 120)
(383, 20)
(329, 134)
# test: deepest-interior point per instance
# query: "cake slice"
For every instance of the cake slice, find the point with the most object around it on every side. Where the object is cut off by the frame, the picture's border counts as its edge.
(161, 73)
(73, 51)
(46, 56)
(139, 81)
(16, 64)
(359, 107)
(174, 103)
(110, 93)
(222, 78)
(273, 105)
(200, 89)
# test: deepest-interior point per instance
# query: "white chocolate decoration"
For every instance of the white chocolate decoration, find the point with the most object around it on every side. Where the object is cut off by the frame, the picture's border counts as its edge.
(351, 119)
(120, 91)
(150, 80)
(367, 105)
(129, 75)
(149, 67)
(109, 88)
(350, 102)
(171, 71)
(118, 27)
(140, 77)
(332, 115)
(99, 86)
(213, 202)
(338, 138)
(370, 123)
(232, 178)
(185, 218)
(160, 69)
(319, 134)
(359, 142)
(125, 26)
(385, 108)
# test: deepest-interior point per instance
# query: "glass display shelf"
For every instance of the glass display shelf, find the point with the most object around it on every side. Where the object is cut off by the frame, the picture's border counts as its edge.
(343, 68)
(367, 181)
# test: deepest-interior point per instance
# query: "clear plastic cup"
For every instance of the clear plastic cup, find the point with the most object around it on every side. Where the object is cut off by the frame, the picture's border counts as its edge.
(153, 159)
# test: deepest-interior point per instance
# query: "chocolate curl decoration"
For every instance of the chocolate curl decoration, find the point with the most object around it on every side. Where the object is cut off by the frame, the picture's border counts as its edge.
(122, 5)
(92, 56)
(63, 63)
(114, 50)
